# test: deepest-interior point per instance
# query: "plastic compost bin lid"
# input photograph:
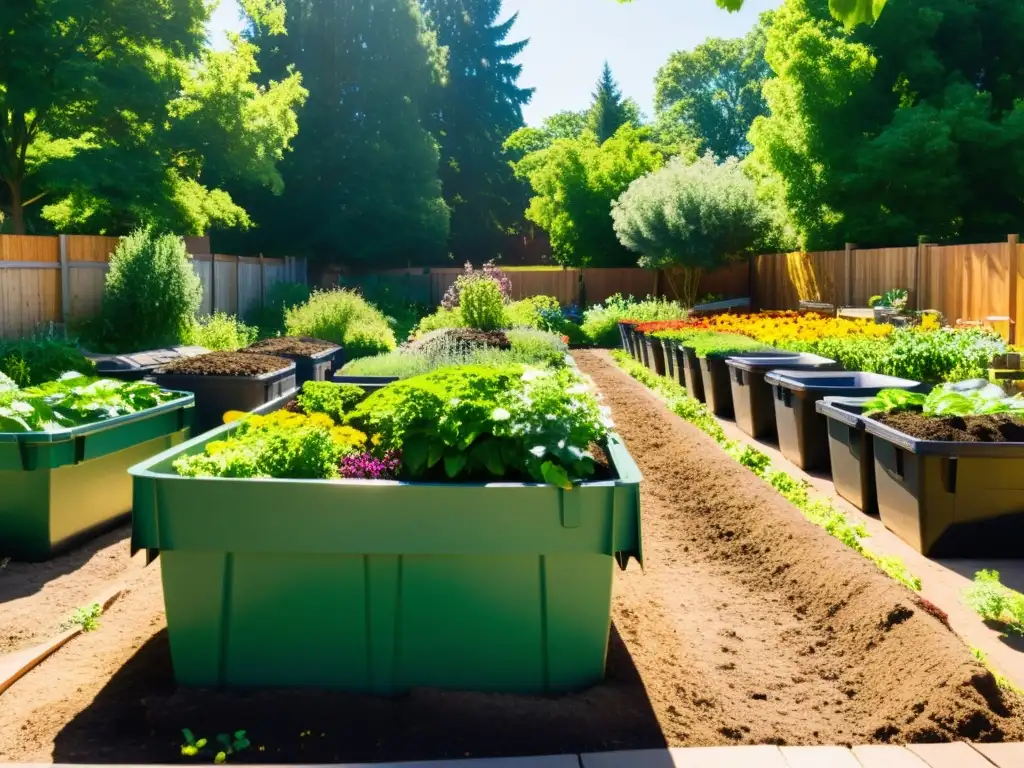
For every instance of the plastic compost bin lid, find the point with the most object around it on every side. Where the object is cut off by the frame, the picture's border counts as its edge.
(846, 410)
(771, 362)
(183, 400)
(145, 361)
(838, 381)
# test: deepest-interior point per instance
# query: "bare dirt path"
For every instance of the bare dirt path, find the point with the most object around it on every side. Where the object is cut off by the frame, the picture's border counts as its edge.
(35, 598)
(749, 625)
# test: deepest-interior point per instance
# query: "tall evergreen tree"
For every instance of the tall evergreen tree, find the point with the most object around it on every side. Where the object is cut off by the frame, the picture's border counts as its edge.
(479, 107)
(362, 183)
(609, 111)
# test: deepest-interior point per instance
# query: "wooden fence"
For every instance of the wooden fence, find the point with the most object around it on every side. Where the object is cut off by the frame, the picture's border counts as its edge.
(57, 279)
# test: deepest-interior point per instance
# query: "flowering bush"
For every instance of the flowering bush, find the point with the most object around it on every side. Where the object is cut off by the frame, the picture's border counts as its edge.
(366, 466)
(601, 322)
(453, 296)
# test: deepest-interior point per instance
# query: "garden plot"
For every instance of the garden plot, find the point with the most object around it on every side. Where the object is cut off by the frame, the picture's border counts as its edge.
(748, 626)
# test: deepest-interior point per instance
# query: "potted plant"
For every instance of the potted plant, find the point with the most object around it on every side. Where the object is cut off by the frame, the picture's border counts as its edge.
(444, 532)
(65, 448)
(949, 468)
(890, 305)
(314, 359)
(227, 381)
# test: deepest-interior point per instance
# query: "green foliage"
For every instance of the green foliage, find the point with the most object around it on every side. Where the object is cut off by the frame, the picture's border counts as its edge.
(7, 384)
(344, 318)
(222, 332)
(608, 111)
(482, 305)
(995, 602)
(151, 293)
(326, 397)
(723, 344)
(601, 321)
(362, 183)
(850, 12)
(969, 398)
(478, 422)
(442, 318)
(1002, 681)
(853, 110)
(797, 492)
(76, 400)
(696, 216)
(714, 92)
(229, 743)
(34, 361)
(87, 618)
(574, 183)
(281, 296)
(892, 299)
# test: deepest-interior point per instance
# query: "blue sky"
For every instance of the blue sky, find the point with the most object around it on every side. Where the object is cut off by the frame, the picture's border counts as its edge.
(570, 39)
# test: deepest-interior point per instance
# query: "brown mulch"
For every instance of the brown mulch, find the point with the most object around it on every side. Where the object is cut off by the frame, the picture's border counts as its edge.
(300, 346)
(749, 625)
(956, 429)
(36, 598)
(226, 364)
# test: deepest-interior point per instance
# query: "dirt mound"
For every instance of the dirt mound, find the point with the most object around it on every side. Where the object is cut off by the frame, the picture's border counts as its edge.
(300, 346)
(904, 677)
(956, 429)
(226, 364)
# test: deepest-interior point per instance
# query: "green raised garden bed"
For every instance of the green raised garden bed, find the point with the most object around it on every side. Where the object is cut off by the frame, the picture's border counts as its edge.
(59, 488)
(380, 586)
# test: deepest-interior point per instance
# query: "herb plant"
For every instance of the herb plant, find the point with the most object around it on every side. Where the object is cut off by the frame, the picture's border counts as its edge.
(87, 618)
(482, 305)
(995, 602)
(222, 332)
(970, 398)
(345, 318)
(329, 398)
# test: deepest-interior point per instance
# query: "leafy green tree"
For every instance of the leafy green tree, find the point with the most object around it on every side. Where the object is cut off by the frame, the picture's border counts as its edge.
(608, 112)
(479, 106)
(890, 132)
(714, 92)
(362, 181)
(850, 12)
(111, 112)
(575, 181)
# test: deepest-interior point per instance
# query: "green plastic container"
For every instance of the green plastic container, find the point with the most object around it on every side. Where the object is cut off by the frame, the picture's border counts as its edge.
(59, 488)
(383, 587)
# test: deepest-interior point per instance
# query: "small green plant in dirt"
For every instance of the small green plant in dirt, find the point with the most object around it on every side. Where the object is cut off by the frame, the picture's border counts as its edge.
(227, 744)
(87, 618)
(797, 492)
(222, 332)
(327, 397)
(996, 603)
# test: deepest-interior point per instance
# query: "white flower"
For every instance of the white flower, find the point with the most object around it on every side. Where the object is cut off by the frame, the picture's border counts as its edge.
(561, 444)
(538, 451)
(500, 414)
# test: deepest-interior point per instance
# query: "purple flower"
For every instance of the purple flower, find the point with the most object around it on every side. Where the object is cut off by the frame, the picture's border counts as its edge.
(490, 271)
(365, 466)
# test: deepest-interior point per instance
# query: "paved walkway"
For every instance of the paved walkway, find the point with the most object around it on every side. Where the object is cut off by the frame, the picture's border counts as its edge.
(958, 755)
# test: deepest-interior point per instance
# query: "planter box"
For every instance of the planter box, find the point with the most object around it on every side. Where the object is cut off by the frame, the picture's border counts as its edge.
(668, 355)
(678, 362)
(641, 343)
(851, 451)
(370, 383)
(715, 378)
(655, 355)
(693, 377)
(752, 397)
(384, 586)
(216, 395)
(60, 488)
(950, 499)
(317, 367)
(802, 431)
(136, 367)
(624, 335)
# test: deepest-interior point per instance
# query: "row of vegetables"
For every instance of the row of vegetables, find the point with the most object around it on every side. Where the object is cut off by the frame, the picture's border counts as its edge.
(456, 529)
(939, 459)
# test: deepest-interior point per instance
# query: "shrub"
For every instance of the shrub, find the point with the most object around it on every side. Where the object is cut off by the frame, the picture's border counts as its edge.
(442, 318)
(601, 322)
(482, 305)
(151, 294)
(544, 313)
(281, 297)
(30, 362)
(490, 273)
(330, 398)
(222, 332)
(345, 318)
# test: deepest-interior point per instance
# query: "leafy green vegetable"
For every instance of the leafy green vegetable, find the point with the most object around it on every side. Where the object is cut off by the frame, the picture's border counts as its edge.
(969, 398)
(76, 400)
(330, 398)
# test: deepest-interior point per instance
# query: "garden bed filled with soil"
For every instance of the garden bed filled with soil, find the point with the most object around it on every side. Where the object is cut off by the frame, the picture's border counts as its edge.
(226, 364)
(955, 429)
(291, 345)
(749, 625)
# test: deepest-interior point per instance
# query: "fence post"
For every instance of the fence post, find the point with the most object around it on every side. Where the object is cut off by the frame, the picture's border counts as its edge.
(263, 283)
(848, 274)
(1015, 276)
(65, 280)
(919, 260)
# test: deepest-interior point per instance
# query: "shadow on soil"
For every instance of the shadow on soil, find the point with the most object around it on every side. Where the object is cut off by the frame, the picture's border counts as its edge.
(139, 715)
(21, 579)
(1011, 572)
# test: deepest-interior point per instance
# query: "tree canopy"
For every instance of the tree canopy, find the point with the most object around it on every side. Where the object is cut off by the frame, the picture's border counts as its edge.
(713, 93)
(608, 112)
(850, 12)
(114, 113)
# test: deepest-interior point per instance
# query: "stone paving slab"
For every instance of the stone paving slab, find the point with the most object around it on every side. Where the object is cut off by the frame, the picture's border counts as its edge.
(693, 757)
(886, 756)
(1002, 755)
(819, 757)
(958, 755)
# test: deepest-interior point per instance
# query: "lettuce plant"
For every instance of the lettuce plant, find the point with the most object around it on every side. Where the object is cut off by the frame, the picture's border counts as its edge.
(969, 398)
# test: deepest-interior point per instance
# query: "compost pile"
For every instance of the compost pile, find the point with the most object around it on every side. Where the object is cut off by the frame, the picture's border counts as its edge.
(226, 364)
(998, 428)
(459, 340)
(300, 346)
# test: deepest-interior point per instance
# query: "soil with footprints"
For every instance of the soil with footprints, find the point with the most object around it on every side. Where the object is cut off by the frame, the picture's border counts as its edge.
(748, 625)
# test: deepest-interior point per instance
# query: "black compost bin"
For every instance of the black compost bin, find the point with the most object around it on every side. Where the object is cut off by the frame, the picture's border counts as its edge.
(802, 431)
(752, 397)
(851, 451)
(692, 378)
(668, 353)
(315, 367)
(950, 499)
(139, 365)
(655, 354)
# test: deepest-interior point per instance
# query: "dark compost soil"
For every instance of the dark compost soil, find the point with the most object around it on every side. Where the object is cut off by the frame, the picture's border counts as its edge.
(749, 625)
(462, 339)
(300, 346)
(226, 364)
(956, 429)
